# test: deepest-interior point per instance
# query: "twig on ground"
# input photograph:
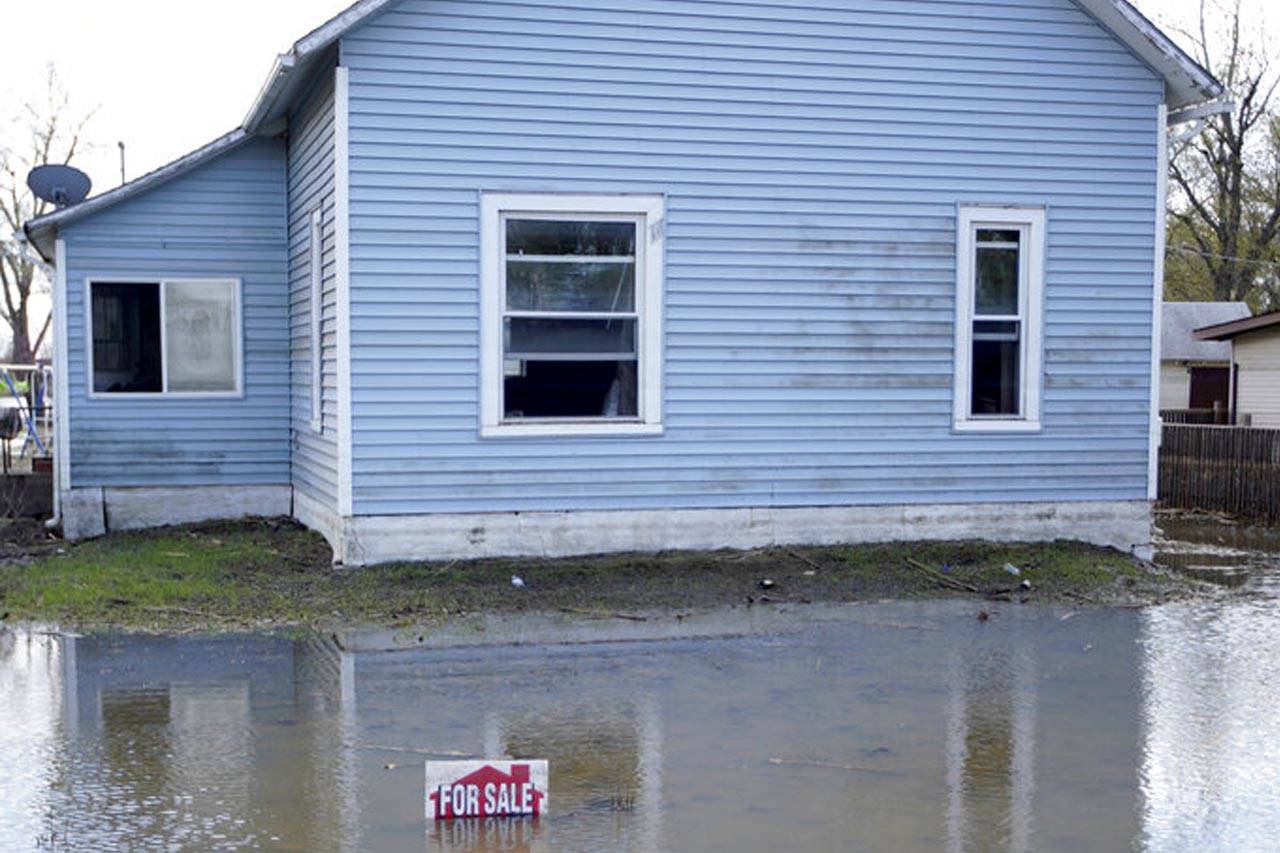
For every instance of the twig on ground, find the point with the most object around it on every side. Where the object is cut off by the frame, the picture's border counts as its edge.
(187, 611)
(942, 580)
(813, 564)
(603, 614)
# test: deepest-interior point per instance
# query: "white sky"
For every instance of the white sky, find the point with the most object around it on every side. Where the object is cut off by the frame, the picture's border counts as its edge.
(166, 77)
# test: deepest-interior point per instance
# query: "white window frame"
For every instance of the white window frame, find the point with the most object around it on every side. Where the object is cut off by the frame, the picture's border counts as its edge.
(162, 282)
(1030, 221)
(316, 354)
(649, 211)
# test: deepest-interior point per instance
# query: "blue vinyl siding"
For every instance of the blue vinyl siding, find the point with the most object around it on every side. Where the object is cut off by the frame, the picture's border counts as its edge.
(311, 155)
(225, 218)
(813, 155)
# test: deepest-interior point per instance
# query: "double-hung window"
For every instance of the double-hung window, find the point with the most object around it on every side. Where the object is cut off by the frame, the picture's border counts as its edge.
(571, 302)
(999, 303)
(172, 337)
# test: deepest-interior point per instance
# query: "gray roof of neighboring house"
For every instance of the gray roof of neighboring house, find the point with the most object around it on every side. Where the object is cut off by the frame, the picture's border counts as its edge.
(1232, 329)
(1181, 319)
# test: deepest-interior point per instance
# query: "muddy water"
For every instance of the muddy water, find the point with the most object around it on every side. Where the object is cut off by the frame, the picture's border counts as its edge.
(911, 726)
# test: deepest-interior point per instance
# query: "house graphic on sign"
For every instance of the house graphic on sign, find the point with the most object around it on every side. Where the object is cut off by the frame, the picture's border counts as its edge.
(488, 792)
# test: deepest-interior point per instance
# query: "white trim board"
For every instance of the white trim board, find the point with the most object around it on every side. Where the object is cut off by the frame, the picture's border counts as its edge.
(368, 540)
(61, 380)
(315, 342)
(1156, 428)
(342, 284)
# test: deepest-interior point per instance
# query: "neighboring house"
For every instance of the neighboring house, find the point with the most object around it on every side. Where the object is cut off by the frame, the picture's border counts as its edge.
(485, 278)
(1255, 347)
(1194, 373)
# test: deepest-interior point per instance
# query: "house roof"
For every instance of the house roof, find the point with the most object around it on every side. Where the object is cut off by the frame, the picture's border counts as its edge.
(1227, 331)
(1178, 341)
(41, 231)
(1187, 84)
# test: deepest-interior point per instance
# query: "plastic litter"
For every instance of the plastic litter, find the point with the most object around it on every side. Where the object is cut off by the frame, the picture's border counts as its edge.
(766, 583)
(809, 573)
(1025, 584)
(517, 581)
(1012, 569)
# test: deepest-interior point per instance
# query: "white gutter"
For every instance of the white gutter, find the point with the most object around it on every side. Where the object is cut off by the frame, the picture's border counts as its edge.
(314, 42)
(270, 91)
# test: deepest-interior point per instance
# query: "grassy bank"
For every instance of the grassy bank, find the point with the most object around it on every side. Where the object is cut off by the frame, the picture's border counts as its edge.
(274, 574)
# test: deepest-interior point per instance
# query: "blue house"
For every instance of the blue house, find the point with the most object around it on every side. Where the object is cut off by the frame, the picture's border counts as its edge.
(482, 277)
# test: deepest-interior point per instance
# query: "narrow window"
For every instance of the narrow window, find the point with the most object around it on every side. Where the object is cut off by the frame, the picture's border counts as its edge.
(998, 318)
(316, 243)
(179, 337)
(572, 312)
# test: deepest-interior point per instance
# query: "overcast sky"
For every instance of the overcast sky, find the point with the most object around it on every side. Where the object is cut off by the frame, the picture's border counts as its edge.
(166, 77)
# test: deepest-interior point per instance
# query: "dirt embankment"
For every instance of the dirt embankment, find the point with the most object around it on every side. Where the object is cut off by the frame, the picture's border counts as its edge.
(272, 574)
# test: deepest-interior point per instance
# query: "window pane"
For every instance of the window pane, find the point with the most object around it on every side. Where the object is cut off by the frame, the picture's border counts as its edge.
(607, 338)
(572, 389)
(126, 338)
(200, 332)
(997, 274)
(997, 348)
(991, 235)
(541, 286)
(570, 237)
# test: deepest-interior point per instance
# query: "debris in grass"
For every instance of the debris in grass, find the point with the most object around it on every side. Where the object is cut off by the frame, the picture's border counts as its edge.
(1025, 585)
(766, 583)
(1012, 569)
(809, 573)
(517, 581)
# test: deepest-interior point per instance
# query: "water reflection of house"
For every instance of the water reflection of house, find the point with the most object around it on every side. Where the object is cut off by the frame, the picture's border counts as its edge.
(217, 754)
(604, 759)
(991, 736)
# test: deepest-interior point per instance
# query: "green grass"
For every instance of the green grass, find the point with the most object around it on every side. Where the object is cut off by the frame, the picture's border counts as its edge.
(272, 573)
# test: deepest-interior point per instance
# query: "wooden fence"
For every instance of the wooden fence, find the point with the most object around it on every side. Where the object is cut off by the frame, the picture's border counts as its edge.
(1227, 469)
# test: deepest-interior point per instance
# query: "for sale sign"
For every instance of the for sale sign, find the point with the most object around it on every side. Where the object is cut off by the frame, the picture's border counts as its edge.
(472, 789)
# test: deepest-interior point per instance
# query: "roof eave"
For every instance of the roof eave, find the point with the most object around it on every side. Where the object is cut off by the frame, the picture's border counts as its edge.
(1187, 83)
(284, 72)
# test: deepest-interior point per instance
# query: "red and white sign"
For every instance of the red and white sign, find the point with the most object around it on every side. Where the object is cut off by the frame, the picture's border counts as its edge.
(471, 789)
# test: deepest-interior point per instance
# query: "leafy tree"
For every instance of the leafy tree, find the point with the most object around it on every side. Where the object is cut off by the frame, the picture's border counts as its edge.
(1224, 208)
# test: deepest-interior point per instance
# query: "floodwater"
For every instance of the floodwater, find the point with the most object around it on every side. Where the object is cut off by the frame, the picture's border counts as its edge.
(896, 726)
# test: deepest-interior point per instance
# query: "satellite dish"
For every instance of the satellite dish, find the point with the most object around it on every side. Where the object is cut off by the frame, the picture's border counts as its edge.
(61, 185)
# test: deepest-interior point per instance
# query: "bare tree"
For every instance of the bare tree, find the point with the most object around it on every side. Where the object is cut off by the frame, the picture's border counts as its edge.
(1224, 217)
(48, 132)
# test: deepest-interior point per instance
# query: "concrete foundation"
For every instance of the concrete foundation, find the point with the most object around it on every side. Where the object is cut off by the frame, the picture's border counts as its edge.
(89, 512)
(366, 540)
